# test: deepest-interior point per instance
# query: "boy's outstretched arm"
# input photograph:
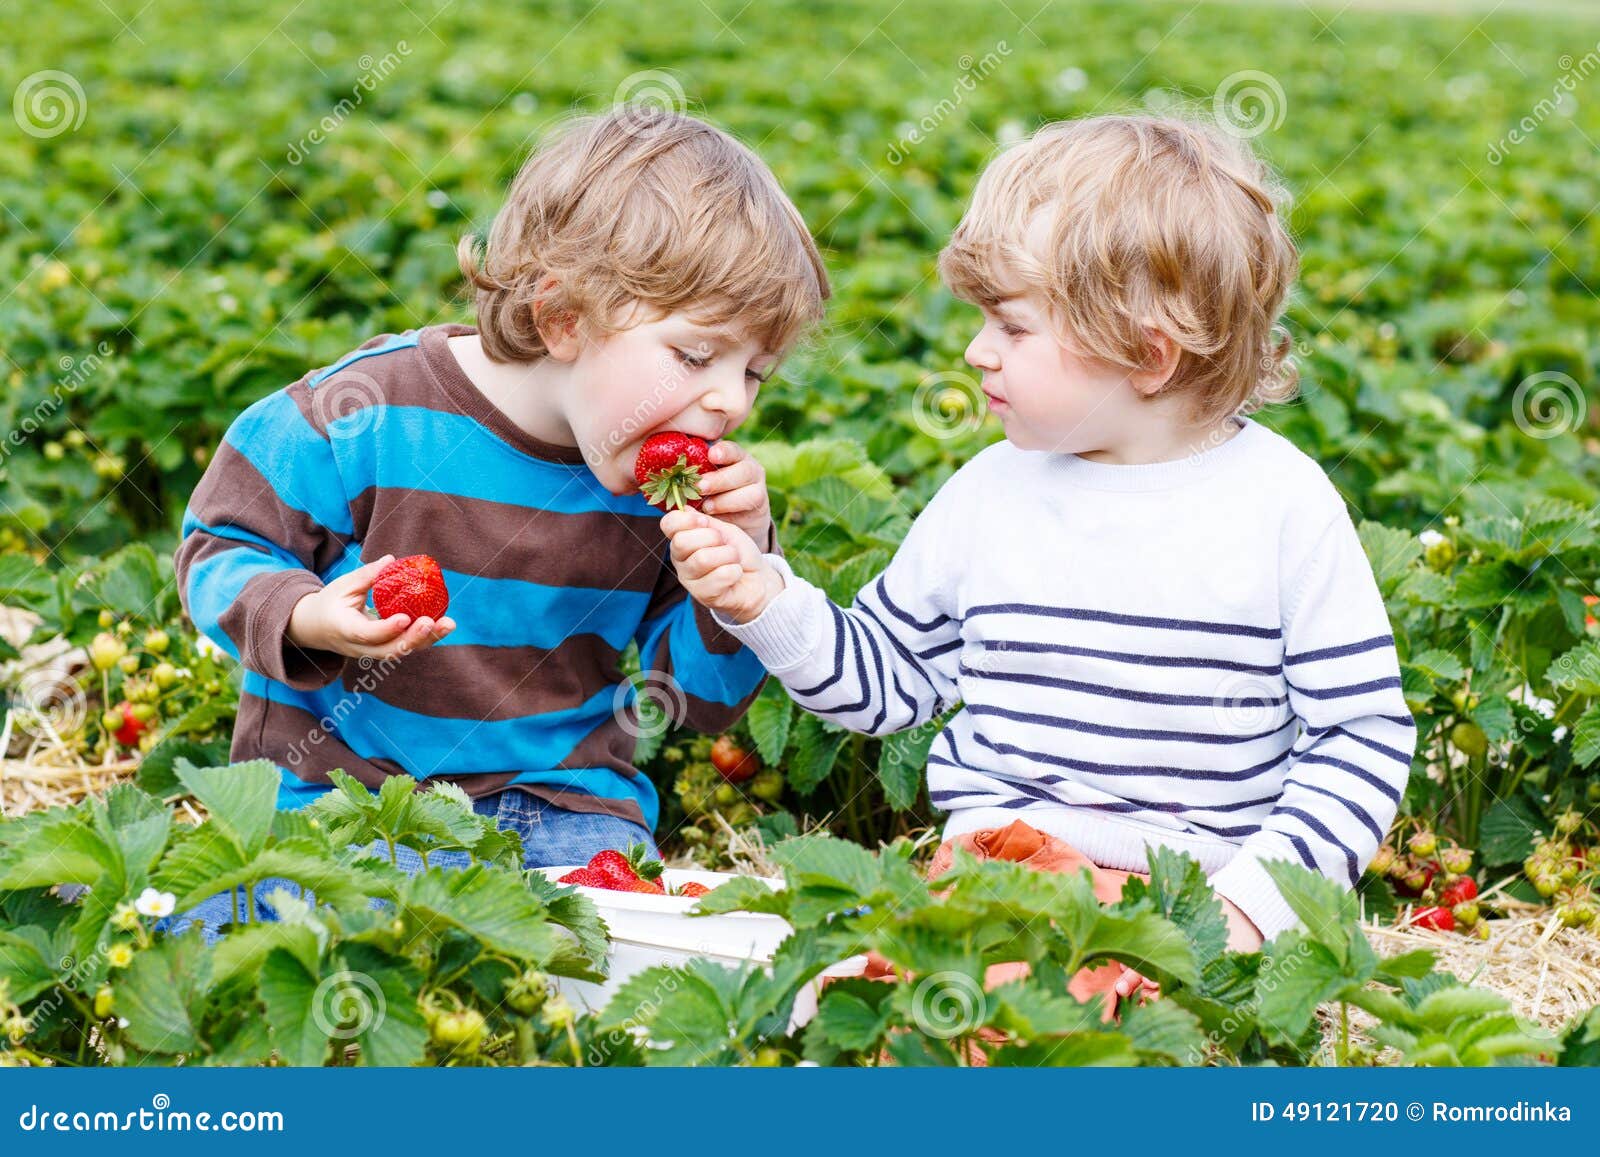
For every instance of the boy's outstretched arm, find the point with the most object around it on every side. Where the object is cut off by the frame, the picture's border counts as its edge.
(1351, 763)
(268, 523)
(885, 664)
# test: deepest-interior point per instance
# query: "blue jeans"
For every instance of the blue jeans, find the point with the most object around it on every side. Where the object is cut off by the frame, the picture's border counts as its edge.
(551, 836)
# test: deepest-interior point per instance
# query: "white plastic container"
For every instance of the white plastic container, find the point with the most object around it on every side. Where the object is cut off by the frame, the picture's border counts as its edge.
(648, 930)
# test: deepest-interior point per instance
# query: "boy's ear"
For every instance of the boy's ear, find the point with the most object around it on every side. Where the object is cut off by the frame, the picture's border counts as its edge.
(558, 329)
(1162, 363)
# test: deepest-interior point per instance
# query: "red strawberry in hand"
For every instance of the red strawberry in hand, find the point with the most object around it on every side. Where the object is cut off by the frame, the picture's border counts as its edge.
(669, 467)
(413, 586)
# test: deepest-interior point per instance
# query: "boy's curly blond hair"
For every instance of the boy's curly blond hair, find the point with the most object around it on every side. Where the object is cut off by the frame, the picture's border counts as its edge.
(643, 205)
(1160, 222)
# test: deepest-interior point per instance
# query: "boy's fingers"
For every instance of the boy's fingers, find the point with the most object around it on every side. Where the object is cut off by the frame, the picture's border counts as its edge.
(376, 632)
(688, 542)
(726, 453)
(737, 501)
(730, 477)
(705, 562)
(362, 578)
(675, 522)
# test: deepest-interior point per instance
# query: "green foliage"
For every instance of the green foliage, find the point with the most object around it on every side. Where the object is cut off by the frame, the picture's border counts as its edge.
(939, 1005)
(365, 972)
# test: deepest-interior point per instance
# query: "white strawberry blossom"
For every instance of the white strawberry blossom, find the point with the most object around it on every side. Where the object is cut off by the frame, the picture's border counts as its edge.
(206, 648)
(154, 903)
(1430, 537)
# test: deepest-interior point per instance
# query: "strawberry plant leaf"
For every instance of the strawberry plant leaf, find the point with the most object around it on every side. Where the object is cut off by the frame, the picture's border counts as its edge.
(29, 959)
(1328, 911)
(288, 991)
(1586, 736)
(816, 747)
(161, 992)
(382, 997)
(1303, 974)
(491, 905)
(1178, 889)
(769, 718)
(902, 759)
(1164, 1031)
(240, 798)
(1391, 552)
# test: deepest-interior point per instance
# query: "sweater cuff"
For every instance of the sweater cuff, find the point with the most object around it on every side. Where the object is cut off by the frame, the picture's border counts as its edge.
(784, 634)
(267, 649)
(1245, 882)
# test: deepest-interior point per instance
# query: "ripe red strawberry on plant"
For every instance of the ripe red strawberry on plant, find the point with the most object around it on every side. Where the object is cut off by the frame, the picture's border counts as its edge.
(732, 761)
(1441, 919)
(412, 586)
(127, 732)
(669, 467)
(1458, 891)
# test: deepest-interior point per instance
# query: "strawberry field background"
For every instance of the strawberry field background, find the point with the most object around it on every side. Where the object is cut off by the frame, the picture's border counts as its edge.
(203, 200)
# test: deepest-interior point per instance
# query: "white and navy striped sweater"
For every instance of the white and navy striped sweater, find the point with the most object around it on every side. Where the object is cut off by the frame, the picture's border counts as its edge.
(1191, 653)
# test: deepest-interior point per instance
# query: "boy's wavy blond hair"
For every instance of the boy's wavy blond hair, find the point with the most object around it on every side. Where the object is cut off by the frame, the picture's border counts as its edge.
(643, 205)
(1163, 222)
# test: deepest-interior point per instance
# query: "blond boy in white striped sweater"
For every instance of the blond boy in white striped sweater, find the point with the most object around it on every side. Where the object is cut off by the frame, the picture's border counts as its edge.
(1155, 611)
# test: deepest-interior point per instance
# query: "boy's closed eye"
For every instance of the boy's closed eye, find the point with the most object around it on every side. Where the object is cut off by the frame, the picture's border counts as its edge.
(699, 360)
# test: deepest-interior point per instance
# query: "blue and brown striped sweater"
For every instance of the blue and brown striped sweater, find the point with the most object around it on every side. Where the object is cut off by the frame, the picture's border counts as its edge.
(393, 450)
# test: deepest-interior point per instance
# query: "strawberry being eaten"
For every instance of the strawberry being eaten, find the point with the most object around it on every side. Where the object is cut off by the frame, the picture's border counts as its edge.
(412, 586)
(669, 467)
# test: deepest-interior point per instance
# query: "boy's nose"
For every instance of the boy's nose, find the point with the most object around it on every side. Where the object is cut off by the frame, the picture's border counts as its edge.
(980, 355)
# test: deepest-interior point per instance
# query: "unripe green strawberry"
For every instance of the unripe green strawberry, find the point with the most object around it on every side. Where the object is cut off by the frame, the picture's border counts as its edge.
(164, 675)
(105, 651)
(1466, 912)
(768, 786)
(104, 1001)
(526, 994)
(1455, 859)
(459, 1032)
(1423, 843)
(129, 664)
(1381, 861)
(107, 618)
(1469, 739)
(767, 1058)
(558, 1012)
(1546, 884)
(1568, 822)
(156, 641)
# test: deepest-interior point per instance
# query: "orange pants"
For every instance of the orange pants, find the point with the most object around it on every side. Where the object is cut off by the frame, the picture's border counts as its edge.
(1026, 845)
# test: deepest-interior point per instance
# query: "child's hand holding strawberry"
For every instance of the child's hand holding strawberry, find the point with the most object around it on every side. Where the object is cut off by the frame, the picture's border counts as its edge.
(719, 565)
(335, 619)
(677, 470)
(736, 491)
